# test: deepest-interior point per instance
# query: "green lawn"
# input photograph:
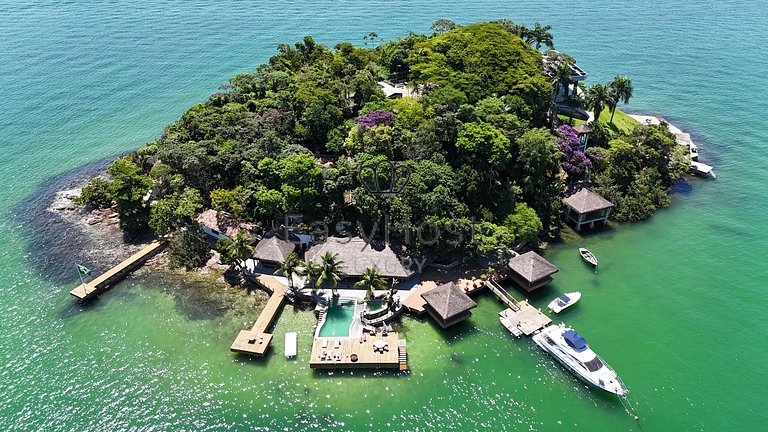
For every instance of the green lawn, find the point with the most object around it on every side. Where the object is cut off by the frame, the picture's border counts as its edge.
(621, 121)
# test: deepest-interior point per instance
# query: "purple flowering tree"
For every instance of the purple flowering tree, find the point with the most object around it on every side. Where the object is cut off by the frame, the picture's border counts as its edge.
(376, 118)
(575, 162)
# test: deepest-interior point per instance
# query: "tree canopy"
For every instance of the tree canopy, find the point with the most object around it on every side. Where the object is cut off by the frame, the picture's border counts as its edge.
(486, 171)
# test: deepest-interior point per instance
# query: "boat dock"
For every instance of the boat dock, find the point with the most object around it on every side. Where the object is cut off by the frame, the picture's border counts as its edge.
(366, 352)
(256, 340)
(91, 289)
(520, 318)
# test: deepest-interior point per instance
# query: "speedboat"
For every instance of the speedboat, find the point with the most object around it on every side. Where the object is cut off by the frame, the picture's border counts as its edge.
(588, 257)
(572, 351)
(564, 301)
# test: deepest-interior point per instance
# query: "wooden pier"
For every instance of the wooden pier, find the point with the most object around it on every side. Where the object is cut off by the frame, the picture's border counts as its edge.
(256, 340)
(359, 352)
(520, 318)
(91, 289)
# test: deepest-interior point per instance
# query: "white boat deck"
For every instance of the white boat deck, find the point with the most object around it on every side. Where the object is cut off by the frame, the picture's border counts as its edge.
(290, 345)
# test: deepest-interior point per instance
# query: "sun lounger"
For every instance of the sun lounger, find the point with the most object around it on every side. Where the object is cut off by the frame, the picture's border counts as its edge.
(337, 343)
(325, 343)
(261, 339)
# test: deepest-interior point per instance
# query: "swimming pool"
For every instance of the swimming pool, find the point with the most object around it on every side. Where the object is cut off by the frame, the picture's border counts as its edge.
(338, 318)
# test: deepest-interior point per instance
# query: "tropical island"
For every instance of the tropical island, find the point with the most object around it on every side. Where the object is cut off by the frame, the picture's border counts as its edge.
(358, 167)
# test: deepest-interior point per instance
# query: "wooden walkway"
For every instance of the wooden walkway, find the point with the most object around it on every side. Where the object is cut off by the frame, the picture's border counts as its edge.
(520, 318)
(256, 341)
(361, 349)
(116, 273)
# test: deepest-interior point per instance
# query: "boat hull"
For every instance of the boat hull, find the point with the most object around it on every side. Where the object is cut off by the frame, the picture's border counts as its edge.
(619, 389)
(588, 257)
(558, 306)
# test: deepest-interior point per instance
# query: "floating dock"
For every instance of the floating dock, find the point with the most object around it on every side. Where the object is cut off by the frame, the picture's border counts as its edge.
(290, 345)
(359, 352)
(256, 340)
(520, 318)
(91, 289)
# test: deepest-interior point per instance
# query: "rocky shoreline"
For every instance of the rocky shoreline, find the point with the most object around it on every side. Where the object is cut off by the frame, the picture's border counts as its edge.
(63, 233)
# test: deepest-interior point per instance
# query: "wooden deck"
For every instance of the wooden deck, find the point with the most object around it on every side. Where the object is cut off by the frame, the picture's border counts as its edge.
(367, 357)
(520, 318)
(256, 341)
(415, 303)
(105, 280)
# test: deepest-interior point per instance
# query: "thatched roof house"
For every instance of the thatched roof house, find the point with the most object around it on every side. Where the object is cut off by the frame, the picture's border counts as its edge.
(587, 207)
(358, 255)
(273, 250)
(448, 305)
(530, 270)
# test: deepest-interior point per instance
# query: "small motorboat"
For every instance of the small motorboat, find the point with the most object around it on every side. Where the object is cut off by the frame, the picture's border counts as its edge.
(564, 301)
(588, 256)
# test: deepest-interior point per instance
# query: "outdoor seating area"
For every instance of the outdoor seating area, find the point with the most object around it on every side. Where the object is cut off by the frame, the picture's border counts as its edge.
(365, 351)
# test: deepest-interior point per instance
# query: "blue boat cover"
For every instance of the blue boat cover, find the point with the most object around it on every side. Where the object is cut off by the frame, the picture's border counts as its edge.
(575, 340)
(564, 298)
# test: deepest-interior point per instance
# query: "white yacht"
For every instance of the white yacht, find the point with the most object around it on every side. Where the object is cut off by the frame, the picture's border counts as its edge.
(572, 351)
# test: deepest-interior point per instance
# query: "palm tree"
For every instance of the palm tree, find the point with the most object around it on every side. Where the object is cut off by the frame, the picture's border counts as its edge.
(539, 35)
(598, 98)
(562, 78)
(289, 267)
(234, 251)
(310, 270)
(517, 29)
(371, 280)
(330, 271)
(621, 89)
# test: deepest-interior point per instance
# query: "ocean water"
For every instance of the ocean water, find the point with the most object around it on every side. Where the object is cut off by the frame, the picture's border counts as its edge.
(677, 307)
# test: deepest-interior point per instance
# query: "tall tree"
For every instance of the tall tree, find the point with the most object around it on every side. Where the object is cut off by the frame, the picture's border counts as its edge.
(233, 252)
(598, 97)
(562, 78)
(289, 267)
(330, 271)
(518, 30)
(621, 89)
(128, 188)
(371, 280)
(539, 35)
(310, 271)
(443, 25)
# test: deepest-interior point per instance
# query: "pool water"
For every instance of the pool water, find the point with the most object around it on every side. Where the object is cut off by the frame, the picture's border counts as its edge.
(338, 318)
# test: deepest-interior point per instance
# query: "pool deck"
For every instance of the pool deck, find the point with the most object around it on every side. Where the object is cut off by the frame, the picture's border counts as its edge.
(367, 357)
(256, 341)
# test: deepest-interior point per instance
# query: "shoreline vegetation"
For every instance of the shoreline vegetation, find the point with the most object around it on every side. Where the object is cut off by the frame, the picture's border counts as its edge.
(488, 151)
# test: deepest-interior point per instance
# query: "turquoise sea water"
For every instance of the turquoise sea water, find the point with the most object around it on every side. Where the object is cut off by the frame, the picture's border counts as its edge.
(677, 308)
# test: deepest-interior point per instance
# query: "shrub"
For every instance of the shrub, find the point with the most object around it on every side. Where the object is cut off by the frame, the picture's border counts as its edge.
(96, 194)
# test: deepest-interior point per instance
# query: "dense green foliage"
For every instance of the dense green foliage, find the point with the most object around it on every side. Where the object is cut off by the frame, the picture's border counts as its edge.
(292, 137)
(188, 248)
(96, 194)
(636, 170)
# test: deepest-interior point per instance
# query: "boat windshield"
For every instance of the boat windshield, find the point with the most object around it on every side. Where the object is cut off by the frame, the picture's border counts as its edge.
(594, 365)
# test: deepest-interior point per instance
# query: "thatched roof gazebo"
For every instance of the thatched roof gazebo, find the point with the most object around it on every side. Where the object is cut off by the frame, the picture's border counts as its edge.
(587, 207)
(531, 271)
(448, 305)
(273, 250)
(357, 255)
